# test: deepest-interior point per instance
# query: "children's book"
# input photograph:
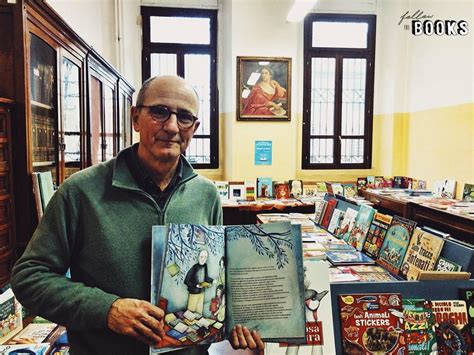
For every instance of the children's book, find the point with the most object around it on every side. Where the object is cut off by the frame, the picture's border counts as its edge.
(222, 189)
(347, 224)
(467, 295)
(264, 187)
(37, 349)
(348, 257)
(245, 274)
(349, 190)
(310, 188)
(418, 322)
(328, 213)
(361, 183)
(237, 190)
(281, 189)
(451, 327)
(336, 220)
(379, 182)
(446, 265)
(318, 312)
(337, 188)
(371, 182)
(468, 192)
(396, 243)
(422, 254)
(296, 188)
(376, 234)
(10, 315)
(399, 182)
(34, 333)
(250, 191)
(321, 186)
(445, 188)
(361, 227)
(319, 209)
(372, 323)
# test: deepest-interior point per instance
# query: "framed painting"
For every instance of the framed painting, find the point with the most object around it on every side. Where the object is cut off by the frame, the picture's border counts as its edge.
(263, 89)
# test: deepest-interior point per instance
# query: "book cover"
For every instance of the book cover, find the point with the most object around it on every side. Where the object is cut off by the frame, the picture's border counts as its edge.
(202, 274)
(376, 234)
(361, 227)
(237, 190)
(450, 327)
(250, 190)
(422, 254)
(222, 189)
(335, 222)
(347, 224)
(296, 188)
(372, 323)
(318, 314)
(446, 265)
(337, 188)
(45, 180)
(467, 295)
(281, 189)
(445, 188)
(37, 349)
(348, 257)
(329, 188)
(418, 322)
(468, 192)
(371, 182)
(310, 188)
(10, 315)
(319, 209)
(379, 182)
(361, 183)
(321, 187)
(37, 195)
(399, 182)
(34, 333)
(264, 187)
(349, 190)
(328, 213)
(396, 243)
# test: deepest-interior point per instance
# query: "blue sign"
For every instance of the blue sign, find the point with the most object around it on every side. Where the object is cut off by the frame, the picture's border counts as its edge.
(263, 152)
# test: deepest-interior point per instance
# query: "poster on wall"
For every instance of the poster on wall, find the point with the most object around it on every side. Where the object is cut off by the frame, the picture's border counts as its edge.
(263, 88)
(263, 152)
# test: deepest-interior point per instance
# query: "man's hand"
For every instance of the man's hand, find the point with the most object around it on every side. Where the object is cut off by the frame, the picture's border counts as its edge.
(138, 319)
(242, 338)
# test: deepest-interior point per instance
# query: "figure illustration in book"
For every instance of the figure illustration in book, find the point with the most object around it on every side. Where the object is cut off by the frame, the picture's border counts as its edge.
(217, 301)
(197, 280)
(221, 277)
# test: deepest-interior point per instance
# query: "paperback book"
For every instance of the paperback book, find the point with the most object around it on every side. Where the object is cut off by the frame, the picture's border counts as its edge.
(336, 220)
(361, 227)
(376, 234)
(237, 190)
(372, 323)
(347, 224)
(264, 187)
(348, 257)
(445, 265)
(10, 315)
(281, 189)
(350, 190)
(418, 322)
(202, 276)
(396, 243)
(296, 188)
(319, 209)
(422, 254)
(328, 213)
(467, 295)
(222, 189)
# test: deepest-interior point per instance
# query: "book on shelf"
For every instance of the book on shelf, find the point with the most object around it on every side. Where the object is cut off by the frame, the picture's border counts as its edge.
(296, 188)
(348, 257)
(337, 189)
(310, 188)
(281, 189)
(328, 213)
(250, 190)
(418, 323)
(236, 190)
(10, 315)
(396, 243)
(349, 190)
(376, 234)
(362, 223)
(46, 187)
(318, 315)
(371, 182)
(222, 189)
(445, 188)
(209, 272)
(321, 187)
(319, 209)
(468, 192)
(361, 183)
(34, 333)
(422, 254)
(379, 182)
(264, 187)
(372, 323)
(445, 265)
(336, 221)
(347, 224)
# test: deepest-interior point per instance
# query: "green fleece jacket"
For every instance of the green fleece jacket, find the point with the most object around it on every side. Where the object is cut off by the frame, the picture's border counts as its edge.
(99, 225)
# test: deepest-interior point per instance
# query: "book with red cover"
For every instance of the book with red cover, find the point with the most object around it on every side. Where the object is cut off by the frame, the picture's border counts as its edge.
(328, 213)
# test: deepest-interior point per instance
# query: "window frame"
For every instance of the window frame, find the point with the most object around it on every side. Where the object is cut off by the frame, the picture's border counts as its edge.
(181, 50)
(339, 54)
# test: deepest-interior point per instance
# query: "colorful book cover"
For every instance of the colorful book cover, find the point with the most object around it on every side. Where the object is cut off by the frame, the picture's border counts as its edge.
(321, 187)
(361, 183)
(200, 275)
(328, 213)
(319, 208)
(379, 181)
(329, 188)
(348, 257)
(349, 190)
(387, 183)
(418, 322)
(250, 191)
(318, 312)
(450, 326)
(310, 188)
(264, 187)
(222, 189)
(296, 188)
(396, 243)
(362, 223)
(422, 254)
(337, 189)
(237, 190)
(336, 220)
(372, 324)
(10, 315)
(347, 224)
(445, 188)
(371, 182)
(281, 189)
(37, 349)
(399, 182)
(467, 295)
(468, 192)
(445, 265)
(376, 234)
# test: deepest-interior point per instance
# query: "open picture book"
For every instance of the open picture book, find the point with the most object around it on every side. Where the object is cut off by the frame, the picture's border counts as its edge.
(208, 279)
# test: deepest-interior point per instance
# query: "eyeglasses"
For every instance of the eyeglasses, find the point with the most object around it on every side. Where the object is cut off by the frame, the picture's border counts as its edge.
(161, 114)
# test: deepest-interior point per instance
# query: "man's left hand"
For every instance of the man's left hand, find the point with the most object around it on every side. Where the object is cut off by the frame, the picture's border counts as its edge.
(242, 338)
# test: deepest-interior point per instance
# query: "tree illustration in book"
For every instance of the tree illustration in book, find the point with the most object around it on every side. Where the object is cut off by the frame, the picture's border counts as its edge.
(207, 279)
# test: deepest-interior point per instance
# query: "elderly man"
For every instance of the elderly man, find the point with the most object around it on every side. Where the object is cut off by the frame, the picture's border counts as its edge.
(98, 225)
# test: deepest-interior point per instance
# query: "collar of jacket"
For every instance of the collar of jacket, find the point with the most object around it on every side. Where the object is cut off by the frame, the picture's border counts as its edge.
(123, 178)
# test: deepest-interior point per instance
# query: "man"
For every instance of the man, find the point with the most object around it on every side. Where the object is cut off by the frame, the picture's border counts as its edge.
(98, 224)
(194, 279)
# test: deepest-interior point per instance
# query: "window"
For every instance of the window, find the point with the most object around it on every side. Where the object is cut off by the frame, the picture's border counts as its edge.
(339, 52)
(183, 42)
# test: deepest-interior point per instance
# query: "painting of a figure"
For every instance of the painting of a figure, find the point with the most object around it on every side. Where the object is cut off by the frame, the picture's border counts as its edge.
(263, 88)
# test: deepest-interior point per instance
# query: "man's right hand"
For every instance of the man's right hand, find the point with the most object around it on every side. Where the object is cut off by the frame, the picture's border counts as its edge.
(138, 319)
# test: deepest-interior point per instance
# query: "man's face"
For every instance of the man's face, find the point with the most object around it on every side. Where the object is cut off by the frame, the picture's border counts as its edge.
(165, 142)
(202, 257)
